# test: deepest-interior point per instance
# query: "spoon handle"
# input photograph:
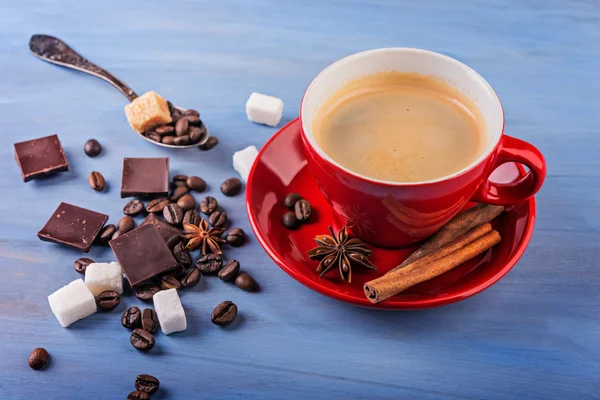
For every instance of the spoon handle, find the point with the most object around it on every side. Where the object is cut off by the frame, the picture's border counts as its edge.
(54, 50)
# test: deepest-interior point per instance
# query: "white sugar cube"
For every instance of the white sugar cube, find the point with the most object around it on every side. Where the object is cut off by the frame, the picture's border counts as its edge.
(243, 160)
(169, 311)
(104, 276)
(72, 303)
(264, 109)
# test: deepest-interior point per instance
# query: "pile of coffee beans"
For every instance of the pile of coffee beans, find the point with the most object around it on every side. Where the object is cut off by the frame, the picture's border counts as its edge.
(185, 129)
(301, 211)
(145, 387)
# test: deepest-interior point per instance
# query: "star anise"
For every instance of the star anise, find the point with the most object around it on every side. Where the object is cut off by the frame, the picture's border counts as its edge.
(209, 239)
(340, 251)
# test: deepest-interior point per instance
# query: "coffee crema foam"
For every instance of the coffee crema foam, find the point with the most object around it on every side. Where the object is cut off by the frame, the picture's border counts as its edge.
(400, 127)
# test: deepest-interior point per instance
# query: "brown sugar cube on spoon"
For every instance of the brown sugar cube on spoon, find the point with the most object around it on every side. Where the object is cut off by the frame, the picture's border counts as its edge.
(147, 111)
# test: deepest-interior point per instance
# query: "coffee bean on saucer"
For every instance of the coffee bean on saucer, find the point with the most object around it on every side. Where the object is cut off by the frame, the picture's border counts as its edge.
(290, 221)
(208, 205)
(196, 184)
(182, 256)
(146, 292)
(165, 130)
(245, 282)
(167, 139)
(81, 264)
(186, 202)
(137, 395)
(231, 186)
(179, 180)
(173, 214)
(178, 192)
(210, 264)
(125, 224)
(167, 282)
(108, 300)
(92, 148)
(192, 119)
(181, 127)
(236, 237)
(134, 207)
(303, 210)
(150, 320)
(192, 217)
(191, 278)
(218, 219)
(96, 181)
(157, 205)
(142, 340)
(38, 358)
(211, 142)
(147, 384)
(132, 318)
(196, 134)
(291, 199)
(153, 136)
(106, 234)
(230, 271)
(224, 313)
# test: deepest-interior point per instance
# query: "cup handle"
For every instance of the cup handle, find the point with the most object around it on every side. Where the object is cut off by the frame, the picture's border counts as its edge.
(515, 150)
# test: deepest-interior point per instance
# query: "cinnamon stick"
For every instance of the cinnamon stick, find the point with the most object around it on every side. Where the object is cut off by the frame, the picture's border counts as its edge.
(456, 227)
(399, 280)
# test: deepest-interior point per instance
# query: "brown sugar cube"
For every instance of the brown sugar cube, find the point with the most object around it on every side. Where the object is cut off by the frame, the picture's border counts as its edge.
(147, 111)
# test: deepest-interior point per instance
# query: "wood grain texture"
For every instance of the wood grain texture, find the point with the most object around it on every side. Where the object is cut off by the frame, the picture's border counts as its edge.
(534, 335)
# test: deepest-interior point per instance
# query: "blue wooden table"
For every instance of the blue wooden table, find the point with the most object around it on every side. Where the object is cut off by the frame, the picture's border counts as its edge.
(534, 335)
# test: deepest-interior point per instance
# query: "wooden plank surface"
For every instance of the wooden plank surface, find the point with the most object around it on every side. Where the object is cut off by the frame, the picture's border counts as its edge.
(534, 335)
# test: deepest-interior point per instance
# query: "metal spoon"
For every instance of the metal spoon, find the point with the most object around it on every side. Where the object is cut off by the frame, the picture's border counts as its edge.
(54, 50)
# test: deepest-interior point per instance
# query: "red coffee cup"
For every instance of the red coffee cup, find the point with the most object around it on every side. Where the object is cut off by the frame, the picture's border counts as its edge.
(393, 214)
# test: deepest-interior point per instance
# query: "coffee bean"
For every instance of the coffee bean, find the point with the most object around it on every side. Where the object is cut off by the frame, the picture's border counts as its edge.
(147, 384)
(231, 186)
(96, 181)
(196, 184)
(178, 272)
(192, 119)
(211, 142)
(126, 224)
(181, 127)
(182, 255)
(178, 192)
(167, 282)
(81, 264)
(289, 220)
(92, 148)
(303, 210)
(38, 358)
(218, 219)
(246, 282)
(224, 313)
(236, 237)
(106, 234)
(137, 395)
(132, 318)
(181, 140)
(116, 235)
(187, 202)
(191, 111)
(164, 130)
(168, 139)
(108, 300)
(173, 214)
(291, 199)
(208, 205)
(191, 278)
(141, 339)
(157, 205)
(230, 271)
(196, 134)
(153, 136)
(210, 264)
(150, 320)
(146, 292)
(192, 217)
(179, 180)
(134, 207)
(176, 113)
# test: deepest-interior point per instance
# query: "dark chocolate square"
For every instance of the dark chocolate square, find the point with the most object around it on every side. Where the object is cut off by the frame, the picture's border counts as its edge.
(169, 233)
(73, 226)
(142, 253)
(145, 177)
(40, 157)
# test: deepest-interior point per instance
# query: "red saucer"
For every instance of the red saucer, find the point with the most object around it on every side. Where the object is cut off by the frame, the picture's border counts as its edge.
(281, 168)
